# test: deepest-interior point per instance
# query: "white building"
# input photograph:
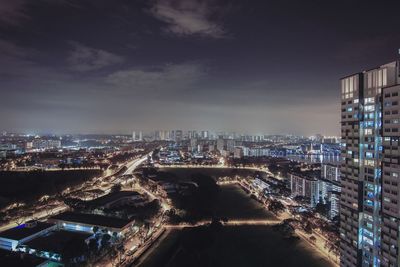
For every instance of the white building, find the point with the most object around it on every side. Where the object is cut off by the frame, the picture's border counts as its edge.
(304, 186)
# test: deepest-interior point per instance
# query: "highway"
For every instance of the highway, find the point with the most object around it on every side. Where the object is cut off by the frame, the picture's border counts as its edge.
(144, 249)
(134, 164)
(42, 214)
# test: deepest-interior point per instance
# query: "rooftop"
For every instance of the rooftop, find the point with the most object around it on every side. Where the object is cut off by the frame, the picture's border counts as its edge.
(333, 164)
(56, 241)
(91, 219)
(8, 258)
(22, 231)
(112, 197)
(308, 175)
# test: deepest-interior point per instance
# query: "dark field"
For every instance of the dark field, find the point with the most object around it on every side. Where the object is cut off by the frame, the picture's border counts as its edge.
(29, 186)
(234, 203)
(232, 246)
(211, 200)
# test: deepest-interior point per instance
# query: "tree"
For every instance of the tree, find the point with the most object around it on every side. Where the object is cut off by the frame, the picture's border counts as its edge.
(276, 206)
(308, 228)
(93, 246)
(115, 236)
(105, 240)
(51, 254)
(322, 209)
(95, 229)
(115, 188)
(273, 168)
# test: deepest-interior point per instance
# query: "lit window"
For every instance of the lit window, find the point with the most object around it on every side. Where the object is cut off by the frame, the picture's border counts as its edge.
(369, 100)
(369, 75)
(369, 108)
(367, 131)
(384, 77)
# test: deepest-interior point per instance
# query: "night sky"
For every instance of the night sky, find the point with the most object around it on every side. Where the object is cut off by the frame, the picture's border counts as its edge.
(113, 66)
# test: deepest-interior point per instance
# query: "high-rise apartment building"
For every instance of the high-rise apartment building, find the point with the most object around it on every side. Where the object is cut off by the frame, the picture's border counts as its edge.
(137, 136)
(178, 135)
(329, 188)
(305, 186)
(221, 144)
(369, 202)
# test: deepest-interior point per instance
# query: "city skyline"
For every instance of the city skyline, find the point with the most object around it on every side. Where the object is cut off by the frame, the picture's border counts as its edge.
(99, 67)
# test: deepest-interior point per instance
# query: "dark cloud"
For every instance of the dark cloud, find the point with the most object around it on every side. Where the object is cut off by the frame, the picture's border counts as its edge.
(122, 72)
(168, 78)
(188, 17)
(83, 58)
(12, 12)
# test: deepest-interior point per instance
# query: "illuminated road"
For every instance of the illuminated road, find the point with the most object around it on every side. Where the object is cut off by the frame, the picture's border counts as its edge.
(38, 215)
(146, 248)
(134, 164)
(229, 223)
(42, 214)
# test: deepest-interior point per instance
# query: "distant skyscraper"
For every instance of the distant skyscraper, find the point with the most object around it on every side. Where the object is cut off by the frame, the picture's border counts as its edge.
(230, 145)
(370, 203)
(178, 135)
(220, 144)
(193, 144)
(164, 135)
(137, 136)
(157, 135)
(204, 134)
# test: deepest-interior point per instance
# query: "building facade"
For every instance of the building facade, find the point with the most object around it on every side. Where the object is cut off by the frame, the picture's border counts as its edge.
(304, 186)
(330, 188)
(369, 209)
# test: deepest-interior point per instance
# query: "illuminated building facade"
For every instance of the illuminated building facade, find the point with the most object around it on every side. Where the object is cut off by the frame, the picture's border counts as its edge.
(369, 210)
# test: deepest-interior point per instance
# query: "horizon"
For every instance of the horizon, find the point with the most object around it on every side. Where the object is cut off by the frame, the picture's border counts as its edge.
(152, 132)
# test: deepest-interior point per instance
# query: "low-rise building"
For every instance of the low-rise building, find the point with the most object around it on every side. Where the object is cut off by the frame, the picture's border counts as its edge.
(260, 184)
(10, 259)
(54, 244)
(116, 199)
(82, 222)
(12, 238)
